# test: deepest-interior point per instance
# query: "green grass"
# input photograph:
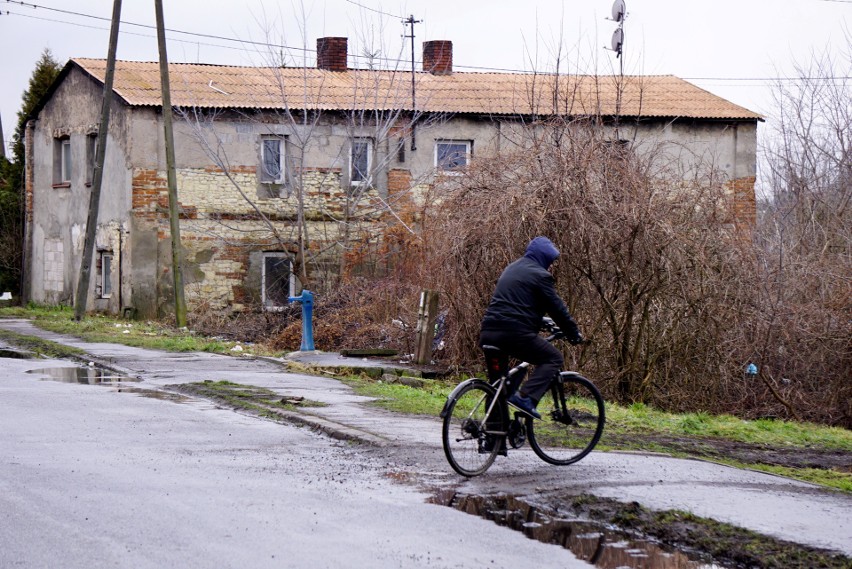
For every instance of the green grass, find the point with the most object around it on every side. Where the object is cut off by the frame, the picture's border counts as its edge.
(38, 346)
(641, 419)
(141, 334)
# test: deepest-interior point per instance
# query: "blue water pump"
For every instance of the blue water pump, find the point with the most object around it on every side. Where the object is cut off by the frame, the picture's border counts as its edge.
(307, 300)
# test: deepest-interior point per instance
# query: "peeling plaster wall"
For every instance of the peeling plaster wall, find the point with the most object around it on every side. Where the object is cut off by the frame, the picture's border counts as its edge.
(221, 200)
(59, 211)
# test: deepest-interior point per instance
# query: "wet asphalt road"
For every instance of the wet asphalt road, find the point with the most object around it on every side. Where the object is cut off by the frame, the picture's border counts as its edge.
(94, 475)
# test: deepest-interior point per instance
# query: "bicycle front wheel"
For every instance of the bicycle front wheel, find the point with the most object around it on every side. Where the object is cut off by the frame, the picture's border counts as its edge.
(470, 449)
(572, 420)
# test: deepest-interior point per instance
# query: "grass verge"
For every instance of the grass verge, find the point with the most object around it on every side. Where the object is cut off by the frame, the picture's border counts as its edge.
(257, 400)
(148, 334)
(38, 346)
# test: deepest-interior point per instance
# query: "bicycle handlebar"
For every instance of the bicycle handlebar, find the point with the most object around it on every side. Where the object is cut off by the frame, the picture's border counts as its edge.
(556, 332)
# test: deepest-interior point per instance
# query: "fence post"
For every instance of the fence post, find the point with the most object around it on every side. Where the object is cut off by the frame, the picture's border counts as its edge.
(426, 315)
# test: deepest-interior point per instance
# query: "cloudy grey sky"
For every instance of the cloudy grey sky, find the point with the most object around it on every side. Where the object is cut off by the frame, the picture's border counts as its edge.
(732, 48)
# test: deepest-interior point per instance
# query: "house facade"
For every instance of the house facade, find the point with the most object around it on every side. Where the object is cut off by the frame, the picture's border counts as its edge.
(279, 169)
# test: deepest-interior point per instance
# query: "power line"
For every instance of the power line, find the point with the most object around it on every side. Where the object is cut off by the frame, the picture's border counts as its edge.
(374, 10)
(355, 56)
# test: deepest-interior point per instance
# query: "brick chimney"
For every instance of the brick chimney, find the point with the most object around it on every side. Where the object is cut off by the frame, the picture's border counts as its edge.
(331, 54)
(438, 57)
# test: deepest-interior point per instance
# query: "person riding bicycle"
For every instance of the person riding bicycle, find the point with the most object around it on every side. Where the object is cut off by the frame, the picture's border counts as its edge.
(525, 292)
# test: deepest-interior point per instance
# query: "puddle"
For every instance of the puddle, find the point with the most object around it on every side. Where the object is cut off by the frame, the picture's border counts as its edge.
(599, 545)
(88, 375)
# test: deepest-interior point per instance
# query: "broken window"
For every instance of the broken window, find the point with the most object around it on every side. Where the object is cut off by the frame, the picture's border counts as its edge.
(272, 159)
(277, 282)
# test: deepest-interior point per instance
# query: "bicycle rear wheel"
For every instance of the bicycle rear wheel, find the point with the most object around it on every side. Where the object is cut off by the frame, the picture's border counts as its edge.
(572, 420)
(469, 448)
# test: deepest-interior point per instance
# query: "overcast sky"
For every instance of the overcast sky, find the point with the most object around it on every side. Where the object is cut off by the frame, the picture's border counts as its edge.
(732, 48)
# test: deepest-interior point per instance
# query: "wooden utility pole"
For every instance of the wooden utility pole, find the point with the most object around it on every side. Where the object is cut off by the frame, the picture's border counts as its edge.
(98, 175)
(174, 220)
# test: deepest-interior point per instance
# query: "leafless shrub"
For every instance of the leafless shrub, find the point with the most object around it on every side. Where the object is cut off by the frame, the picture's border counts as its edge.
(650, 267)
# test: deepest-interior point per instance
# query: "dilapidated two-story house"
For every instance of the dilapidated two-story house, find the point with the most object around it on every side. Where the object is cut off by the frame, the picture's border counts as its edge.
(278, 165)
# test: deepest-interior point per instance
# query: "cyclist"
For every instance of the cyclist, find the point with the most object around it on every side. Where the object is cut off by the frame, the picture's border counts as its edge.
(525, 292)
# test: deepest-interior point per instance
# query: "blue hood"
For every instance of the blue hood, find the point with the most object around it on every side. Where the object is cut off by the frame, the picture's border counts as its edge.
(542, 251)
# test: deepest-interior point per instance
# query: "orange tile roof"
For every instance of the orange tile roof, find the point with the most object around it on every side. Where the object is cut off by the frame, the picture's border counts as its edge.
(217, 86)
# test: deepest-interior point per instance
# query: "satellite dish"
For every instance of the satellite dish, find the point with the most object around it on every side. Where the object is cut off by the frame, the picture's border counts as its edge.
(617, 40)
(619, 9)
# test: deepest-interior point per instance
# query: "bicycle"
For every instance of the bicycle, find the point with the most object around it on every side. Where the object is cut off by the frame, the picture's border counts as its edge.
(477, 426)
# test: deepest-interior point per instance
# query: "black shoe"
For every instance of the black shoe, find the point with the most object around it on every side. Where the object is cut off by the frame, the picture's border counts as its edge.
(524, 404)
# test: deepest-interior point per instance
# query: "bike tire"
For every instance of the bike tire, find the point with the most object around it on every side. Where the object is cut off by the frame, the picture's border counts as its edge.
(464, 438)
(567, 433)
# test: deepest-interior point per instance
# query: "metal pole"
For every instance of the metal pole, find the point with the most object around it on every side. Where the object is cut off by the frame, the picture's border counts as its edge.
(98, 174)
(174, 221)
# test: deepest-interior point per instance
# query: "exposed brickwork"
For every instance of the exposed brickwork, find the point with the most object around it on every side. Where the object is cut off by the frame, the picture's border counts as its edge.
(332, 54)
(438, 57)
(147, 187)
(744, 201)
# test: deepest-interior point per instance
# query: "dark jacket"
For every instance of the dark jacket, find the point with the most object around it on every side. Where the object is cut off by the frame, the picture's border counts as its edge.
(525, 292)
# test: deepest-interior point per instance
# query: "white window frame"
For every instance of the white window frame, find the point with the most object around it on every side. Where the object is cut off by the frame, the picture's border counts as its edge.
(106, 275)
(263, 176)
(367, 175)
(468, 146)
(63, 155)
(269, 304)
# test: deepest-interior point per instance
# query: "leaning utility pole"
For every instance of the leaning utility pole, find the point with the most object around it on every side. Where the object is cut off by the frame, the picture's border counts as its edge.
(98, 174)
(174, 220)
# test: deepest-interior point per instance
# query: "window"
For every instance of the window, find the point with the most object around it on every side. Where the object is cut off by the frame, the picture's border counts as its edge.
(91, 151)
(62, 161)
(272, 160)
(277, 281)
(452, 155)
(360, 161)
(106, 275)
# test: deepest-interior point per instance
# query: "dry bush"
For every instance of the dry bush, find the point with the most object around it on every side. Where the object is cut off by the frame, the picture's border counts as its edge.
(361, 314)
(649, 265)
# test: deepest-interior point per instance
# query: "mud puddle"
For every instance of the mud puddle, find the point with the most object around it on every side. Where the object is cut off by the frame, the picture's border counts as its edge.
(87, 375)
(601, 545)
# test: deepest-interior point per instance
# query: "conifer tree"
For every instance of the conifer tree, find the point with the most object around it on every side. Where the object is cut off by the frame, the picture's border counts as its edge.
(12, 176)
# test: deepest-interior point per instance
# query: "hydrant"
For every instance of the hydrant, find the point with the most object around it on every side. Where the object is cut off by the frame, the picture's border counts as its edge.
(307, 300)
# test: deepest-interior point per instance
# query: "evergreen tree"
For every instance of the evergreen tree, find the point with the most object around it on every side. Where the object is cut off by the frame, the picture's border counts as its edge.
(12, 177)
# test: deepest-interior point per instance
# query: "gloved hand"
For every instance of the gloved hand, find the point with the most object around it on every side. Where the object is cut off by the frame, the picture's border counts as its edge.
(576, 338)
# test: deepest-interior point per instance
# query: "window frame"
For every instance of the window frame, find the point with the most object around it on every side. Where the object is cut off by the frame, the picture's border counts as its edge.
(366, 175)
(263, 176)
(62, 161)
(269, 305)
(91, 155)
(468, 146)
(105, 281)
